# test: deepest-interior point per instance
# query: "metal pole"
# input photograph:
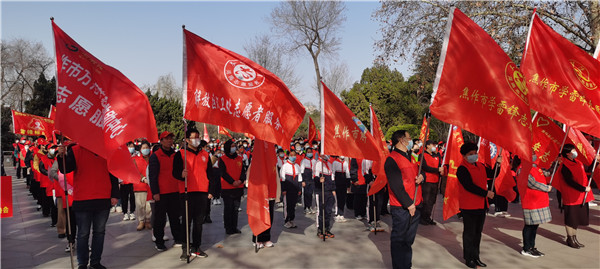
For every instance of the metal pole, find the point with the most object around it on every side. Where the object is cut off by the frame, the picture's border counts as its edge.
(591, 175)
(323, 199)
(561, 148)
(185, 195)
(428, 116)
(496, 170)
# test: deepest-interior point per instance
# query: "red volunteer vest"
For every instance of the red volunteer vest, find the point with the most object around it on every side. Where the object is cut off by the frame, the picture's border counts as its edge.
(409, 173)
(535, 199)
(572, 196)
(91, 177)
(234, 169)
(469, 200)
(166, 182)
(22, 155)
(432, 162)
(45, 180)
(196, 166)
(141, 166)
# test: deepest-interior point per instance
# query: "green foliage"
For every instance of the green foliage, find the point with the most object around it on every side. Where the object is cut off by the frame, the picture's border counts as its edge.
(168, 114)
(44, 95)
(302, 131)
(8, 137)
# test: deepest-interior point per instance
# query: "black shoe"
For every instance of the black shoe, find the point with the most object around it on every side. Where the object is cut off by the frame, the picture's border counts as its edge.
(97, 266)
(480, 263)
(62, 235)
(52, 225)
(431, 222)
(82, 267)
(236, 231)
(160, 247)
(471, 264)
(207, 220)
(199, 253)
(536, 251)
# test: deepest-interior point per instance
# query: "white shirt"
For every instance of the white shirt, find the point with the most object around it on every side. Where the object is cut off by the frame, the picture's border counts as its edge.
(290, 169)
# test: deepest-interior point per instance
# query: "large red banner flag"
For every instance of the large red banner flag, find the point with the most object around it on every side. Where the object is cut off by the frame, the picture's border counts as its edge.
(563, 80)
(262, 175)
(547, 140)
(479, 89)
(453, 160)
(6, 200)
(424, 135)
(98, 107)
(378, 169)
(32, 125)
(223, 87)
(343, 133)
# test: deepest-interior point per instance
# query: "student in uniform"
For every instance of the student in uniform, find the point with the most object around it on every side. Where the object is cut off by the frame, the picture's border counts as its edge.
(306, 167)
(433, 169)
(291, 179)
(359, 188)
(324, 179)
(199, 187)
(341, 186)
(233, 176)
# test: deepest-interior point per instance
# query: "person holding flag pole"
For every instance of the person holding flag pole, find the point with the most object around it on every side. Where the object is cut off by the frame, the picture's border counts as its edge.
(324, 174)
(70, 228)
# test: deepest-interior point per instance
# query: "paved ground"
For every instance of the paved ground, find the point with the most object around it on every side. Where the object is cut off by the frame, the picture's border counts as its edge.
(28, 241)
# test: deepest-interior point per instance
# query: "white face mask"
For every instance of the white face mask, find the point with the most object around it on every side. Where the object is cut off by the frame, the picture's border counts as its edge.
(145, 152)
(131, 150)
(26, 147)
(574, 153)
(433, 149)
(195, 142)
(52, 151)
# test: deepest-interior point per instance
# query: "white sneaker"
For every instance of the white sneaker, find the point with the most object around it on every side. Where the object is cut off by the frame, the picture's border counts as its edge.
(288, 225)
(131, 216)
(506, 215)
(269, 244)
(125, 216)
(165, 238)
(341, 219)
(113, 209)
(497, 213)
(119, 209)
(68, 248)
(591, 203)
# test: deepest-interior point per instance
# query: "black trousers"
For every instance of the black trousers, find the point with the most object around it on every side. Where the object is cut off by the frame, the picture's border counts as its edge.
(231, 204)
(167, 205)
(375, 205)
(71, 236)
(500, 203)
(197, 211)
(325, 206)
(529, 233)
(266, 235)
(46, 202)
(309, 190)
(340, 195)
(18, 167)
(360, 200)
(404, 231)
(429, 196)
(53, 210)
(291, 198)
(127, 198)
(473, 226)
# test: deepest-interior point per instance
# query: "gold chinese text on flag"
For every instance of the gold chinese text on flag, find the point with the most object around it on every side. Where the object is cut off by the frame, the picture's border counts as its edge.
(479, 88)
(563, 79)
(227, 89)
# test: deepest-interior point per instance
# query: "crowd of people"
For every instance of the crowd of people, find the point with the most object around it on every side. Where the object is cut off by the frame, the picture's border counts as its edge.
(179, 182)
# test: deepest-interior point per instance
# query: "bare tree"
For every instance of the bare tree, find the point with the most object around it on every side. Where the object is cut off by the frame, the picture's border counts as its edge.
(336, 76)
(313, 25)
(269, 54)
(408, 27)
(167, 87)
(22, 63)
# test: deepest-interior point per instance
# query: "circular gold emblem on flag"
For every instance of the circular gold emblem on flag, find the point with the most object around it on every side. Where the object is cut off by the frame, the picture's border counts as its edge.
(516, 81)
(583, 74)
(240, 75)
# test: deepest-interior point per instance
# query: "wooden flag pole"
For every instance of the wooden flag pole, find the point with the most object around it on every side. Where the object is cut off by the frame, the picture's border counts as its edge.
(69, 229)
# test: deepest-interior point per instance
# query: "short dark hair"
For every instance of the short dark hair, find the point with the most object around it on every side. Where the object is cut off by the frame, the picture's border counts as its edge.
(146, 143)
(397, 135)
(467, 147)
(190, 131)
(430, 142)
(567, 149)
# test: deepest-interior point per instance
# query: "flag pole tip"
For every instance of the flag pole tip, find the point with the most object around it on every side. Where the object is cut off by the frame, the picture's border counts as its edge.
(52, 18)
(183, 26)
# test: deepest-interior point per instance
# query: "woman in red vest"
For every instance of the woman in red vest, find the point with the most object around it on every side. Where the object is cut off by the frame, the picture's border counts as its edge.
(233, 176)
(536, 209)
(402, 181)
(433, 169)
(141, 189)
(573, 188)
(473, 176)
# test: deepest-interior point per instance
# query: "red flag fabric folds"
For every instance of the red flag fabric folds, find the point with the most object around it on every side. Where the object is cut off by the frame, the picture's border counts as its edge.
(224, 131)
(424, 135)
(313, 132)
(223, 87)
(505, 181)
(547, 139)
(28, 124)
(453, 160)
(563, 79)
(262, 181)
(479, 88)
(378, 169)
(585, 149)
(98, 107)
(344, 134)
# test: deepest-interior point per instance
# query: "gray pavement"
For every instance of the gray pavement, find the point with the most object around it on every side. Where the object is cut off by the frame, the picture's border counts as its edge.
(28, 241)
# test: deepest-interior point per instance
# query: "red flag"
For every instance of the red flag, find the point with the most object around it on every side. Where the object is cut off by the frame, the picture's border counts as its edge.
(479, 88)
(32, 125)
(344, 134)
(487, 152)
(224, 131)
(378, 170)
(547, 139)
(313, 132)
(52, 113)
(6, 201)
(563, 79)
(424, 131)
(505, 180)
(226, 88)
(206, 137)
(249, 135)
(454, 159)
(99, 107)
(586, 151)
(262, 175)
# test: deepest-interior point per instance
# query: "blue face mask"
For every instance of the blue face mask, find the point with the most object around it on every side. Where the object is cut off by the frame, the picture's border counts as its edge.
(309, 155)
(131, 150)
(472, 158)
(233, 150)
(145, 152)
(533, 158)
(292, 159)
(410, 145)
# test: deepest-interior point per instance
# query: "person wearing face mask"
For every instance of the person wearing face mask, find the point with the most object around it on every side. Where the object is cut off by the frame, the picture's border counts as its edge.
(233, 176)
(280, 159)
(46, 161)
(573, 186)
(291, 179)
(472, 176)
(402, 181)
(536, 209)
(341, 185)
(197, 170)
(433, 169)
(324, 180)
(306, 167)
(21, 153)
(141, 189)
(216, 174)
(416, 149)
(165, 192)
(126, 190)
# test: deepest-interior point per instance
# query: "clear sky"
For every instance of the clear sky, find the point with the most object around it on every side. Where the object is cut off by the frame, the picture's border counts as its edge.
(144, 39)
